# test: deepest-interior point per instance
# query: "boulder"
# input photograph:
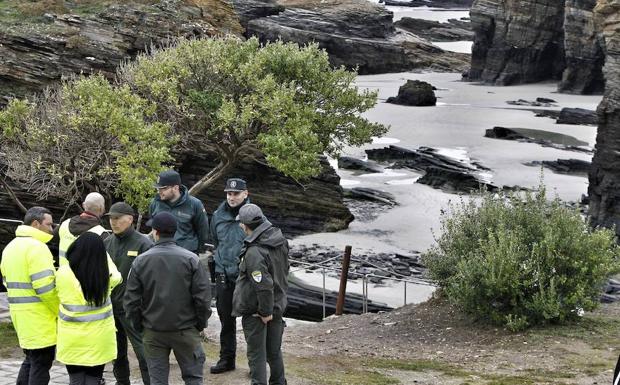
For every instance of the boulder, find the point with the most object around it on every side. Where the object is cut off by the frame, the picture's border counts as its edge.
(371, 194)
(577, 116)
(414, 93)
(350, 163)
(544, 138)
(565, 166)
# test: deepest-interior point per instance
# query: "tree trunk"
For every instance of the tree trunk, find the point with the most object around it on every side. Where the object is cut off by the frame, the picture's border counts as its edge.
(215, 174)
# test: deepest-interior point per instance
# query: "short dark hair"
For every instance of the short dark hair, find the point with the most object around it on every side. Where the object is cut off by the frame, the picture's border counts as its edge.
(165, 234)
(36, 213)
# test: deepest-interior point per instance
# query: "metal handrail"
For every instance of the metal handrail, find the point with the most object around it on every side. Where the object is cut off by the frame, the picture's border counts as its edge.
(365, 288)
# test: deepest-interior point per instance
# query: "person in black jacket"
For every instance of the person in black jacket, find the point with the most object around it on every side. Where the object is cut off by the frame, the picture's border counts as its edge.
(168, 296)
(124, 246)
(260, 294)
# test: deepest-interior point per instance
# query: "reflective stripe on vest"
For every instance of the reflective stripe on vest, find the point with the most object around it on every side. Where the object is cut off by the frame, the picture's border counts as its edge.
(46, 288)
(18, 285)
(41, 274)
(83, 308)
(85, 318)
(24, 299)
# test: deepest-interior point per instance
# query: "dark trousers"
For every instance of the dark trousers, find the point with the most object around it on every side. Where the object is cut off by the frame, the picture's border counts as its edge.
(228, 335)
(125, 330)
(616, 379)
(187, 347)
(85, 375)
(35, 369)
(264, 342)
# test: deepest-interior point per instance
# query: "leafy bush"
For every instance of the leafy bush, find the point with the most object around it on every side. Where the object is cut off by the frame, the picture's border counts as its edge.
(231, 94)
(521, 260)
(85, 135)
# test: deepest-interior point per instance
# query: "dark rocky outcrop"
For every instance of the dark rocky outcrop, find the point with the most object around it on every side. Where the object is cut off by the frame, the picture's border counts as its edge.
(544, 138)
(370, 194)
(350, 163)
(35, 55)
(604, 177)
(313, 207)
(517, 42)
(565, 166)
(441, 172)
(533, 40)
(577, 116)
(453, 30)
(414, 93)
(539, 102)
(255, 9)
(355, 33)
(431, 3)
(584, 54)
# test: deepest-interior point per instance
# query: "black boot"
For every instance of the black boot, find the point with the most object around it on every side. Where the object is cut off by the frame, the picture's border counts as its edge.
(223, 366)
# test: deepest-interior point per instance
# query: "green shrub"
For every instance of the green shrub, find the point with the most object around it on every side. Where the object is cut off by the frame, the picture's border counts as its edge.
(521, 260)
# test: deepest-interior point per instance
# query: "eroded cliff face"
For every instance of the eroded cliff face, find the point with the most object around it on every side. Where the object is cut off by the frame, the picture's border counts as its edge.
(38, 51)
(604, 187)
(534, 40)
(517, 41)
(584, 54)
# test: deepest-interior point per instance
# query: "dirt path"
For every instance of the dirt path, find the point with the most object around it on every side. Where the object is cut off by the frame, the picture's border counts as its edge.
(432, 343)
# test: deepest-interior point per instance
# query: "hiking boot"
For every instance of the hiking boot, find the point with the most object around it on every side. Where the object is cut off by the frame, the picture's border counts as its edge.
(222, 366)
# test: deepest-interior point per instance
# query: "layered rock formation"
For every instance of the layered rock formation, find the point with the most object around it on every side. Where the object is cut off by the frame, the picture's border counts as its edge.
(36, 54)
(453, 30)
(315, 206)
(604, 177)
(584, 55)
(534, 40)
(517, 41)
(355, 33)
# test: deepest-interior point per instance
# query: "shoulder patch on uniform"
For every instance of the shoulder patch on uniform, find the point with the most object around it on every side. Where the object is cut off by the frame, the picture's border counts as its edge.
(132, 253)
(257, 276)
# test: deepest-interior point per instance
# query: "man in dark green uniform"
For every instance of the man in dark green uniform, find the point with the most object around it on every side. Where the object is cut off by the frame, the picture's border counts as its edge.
(192, 223)
(260, 294)
(123, 246)
(227, 238)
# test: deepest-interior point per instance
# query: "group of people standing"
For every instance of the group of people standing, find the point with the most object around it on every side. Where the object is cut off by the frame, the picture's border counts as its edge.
(153, 290)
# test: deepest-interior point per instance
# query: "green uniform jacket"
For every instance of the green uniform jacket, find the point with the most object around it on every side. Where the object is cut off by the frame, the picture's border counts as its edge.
(192, 223)
(123, 249)
(263, 273)
(227, 237)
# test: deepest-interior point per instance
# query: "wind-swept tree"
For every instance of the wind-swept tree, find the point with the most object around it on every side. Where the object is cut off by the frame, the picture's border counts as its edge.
(285, 100)
(84, 135)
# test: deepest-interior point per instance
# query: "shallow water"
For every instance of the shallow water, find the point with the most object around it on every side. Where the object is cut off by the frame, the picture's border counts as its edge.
(457, 125)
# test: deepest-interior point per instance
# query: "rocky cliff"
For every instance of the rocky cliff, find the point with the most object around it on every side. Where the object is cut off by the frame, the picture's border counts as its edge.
(38, 50)
(603, 190)
(355, 33)
(584, 55)
(533, 40)
(517, 41)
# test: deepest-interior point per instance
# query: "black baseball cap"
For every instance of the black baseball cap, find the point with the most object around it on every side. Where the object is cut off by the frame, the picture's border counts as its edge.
(168, 178)
(120, 208)
(235, 184)
(163, 222)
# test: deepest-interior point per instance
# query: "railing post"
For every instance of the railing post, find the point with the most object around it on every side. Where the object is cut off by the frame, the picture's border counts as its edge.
(405, 284)
(323, 292)
(344, 275)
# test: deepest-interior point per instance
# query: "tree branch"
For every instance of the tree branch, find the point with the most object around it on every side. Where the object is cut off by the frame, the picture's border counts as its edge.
(14, 197)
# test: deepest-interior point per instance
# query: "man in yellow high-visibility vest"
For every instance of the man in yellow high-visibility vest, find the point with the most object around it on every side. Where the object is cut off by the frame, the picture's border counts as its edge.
(88, 220)
(27, 268)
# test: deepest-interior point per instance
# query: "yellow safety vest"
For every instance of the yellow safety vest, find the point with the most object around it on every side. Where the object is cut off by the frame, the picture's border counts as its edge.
(67, 238)
(86, 334)
(28, 272)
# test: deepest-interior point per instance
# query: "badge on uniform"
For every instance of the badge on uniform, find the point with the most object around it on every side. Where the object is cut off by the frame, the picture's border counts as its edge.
(257, 275)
